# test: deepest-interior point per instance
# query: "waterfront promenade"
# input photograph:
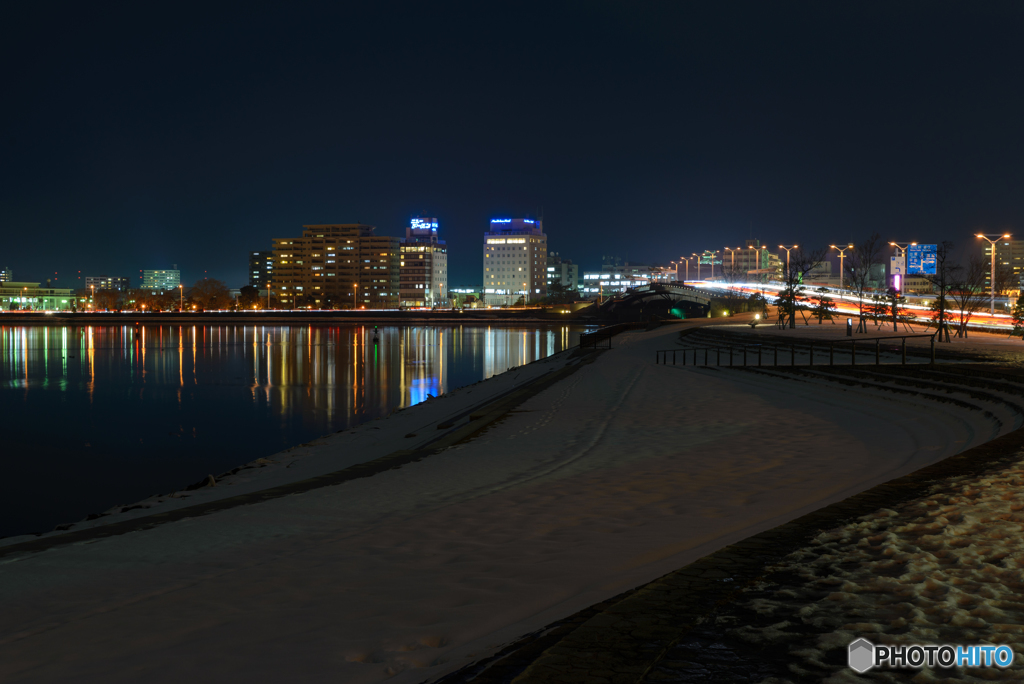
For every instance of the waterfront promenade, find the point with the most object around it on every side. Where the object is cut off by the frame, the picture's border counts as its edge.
(616, 474)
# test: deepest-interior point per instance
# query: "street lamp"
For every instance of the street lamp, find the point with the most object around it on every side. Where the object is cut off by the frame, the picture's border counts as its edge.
(842, 253)
(992, 276)
(788, 250)
(711, 253)
(687, 260)
(732, 256)
(698, 264)
(757, 260)
(903, 253)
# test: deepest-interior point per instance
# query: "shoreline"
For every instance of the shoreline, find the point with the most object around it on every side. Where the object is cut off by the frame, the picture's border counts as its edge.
(248, 480)
(287, 317)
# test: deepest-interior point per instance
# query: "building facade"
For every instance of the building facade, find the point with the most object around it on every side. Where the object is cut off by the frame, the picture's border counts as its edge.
(31, 297)
(161, 281)
(424, 265)
(97, 283)
(6, 275)
(751, 263)
(261, 268)
(563, 272)
(515, 260)
(337, 266)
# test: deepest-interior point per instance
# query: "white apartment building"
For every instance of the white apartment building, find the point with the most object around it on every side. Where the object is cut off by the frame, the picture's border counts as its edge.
(514, 261)
(161, 281)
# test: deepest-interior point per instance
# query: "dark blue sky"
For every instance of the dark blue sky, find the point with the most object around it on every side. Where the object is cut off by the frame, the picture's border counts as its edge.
(135, 137)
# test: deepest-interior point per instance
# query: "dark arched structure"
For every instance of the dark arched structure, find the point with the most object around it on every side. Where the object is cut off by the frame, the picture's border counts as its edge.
(662, 300)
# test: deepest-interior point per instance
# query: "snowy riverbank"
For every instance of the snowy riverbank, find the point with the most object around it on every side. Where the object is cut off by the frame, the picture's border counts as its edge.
(616, 475)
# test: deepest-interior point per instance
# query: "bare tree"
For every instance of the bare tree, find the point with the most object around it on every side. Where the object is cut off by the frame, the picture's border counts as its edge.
(800, 264)
(1006, 280)
(968, 292)
(863, 258)
(946, 272)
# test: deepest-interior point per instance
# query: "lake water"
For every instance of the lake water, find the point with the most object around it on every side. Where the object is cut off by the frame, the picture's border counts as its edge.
(95, 416)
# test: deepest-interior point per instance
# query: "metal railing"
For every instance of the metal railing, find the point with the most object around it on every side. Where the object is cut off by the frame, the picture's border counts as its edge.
(662, 356)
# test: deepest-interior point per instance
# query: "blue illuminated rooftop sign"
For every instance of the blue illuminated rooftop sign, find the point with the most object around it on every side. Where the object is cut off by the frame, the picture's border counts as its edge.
(423, 224)
(501, 220)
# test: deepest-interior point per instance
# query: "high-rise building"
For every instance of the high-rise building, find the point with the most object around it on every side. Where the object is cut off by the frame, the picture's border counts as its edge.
(424, 265)
(514, 260)
(563, 272)
(161, 281)
(97, 283)
(261, 267)
(6, 275)
(337, 266)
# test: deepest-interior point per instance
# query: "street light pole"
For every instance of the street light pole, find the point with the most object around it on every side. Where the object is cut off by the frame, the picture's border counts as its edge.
(698, 265)
(842, 253)
(992, 275)
(712, 254)
(687, 260)
(788, 249)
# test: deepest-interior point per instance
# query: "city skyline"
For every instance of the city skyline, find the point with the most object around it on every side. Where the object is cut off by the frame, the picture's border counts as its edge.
(135, 150)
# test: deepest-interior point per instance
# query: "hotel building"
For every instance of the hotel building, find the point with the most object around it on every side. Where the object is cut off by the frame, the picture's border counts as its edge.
(424, 265)
(261, 267)
(336, 266)
(514, 261)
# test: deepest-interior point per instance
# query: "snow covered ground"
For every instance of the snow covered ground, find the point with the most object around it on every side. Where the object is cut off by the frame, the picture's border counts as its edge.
(622, 472)
(946, 568)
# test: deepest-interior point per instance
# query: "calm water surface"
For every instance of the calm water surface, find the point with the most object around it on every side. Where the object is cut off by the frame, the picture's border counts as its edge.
(96, 416)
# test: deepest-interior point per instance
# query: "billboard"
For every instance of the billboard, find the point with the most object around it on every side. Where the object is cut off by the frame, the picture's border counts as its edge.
(921, 259)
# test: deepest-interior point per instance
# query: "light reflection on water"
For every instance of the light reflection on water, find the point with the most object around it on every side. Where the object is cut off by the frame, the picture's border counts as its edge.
(94, 416)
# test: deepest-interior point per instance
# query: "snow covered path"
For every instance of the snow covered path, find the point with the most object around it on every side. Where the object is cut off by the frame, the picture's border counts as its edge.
(618, 474)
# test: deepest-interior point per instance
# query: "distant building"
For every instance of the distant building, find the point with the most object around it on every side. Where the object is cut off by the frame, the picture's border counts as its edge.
(261, 267)
(32, 297)
(161, 281)
(341, 266)
(563, 272)
(514, 260)
(424, 265)
(6, 275)
(97, 283)
(1009, 255)
(750, 263)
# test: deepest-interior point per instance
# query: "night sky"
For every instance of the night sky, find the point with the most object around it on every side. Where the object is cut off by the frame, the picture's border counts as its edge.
(137, 138)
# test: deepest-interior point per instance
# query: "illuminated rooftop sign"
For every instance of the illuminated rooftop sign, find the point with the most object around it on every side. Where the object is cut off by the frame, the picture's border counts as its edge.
(423, 224)
(501, 220)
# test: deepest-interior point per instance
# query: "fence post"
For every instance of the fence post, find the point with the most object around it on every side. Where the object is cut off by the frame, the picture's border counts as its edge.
(684, 358)
(730, 356)
(705, 356)
(904, 351)
(673, 358)
(933, 350)
(776, 348)
(811, 363)
(853, 352)
(759, 349)
(718, 352)
(831, 353)
(792, 355)
(877, 343)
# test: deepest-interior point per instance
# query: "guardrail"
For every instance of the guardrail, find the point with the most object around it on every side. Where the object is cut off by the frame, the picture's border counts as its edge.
(662, 355)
